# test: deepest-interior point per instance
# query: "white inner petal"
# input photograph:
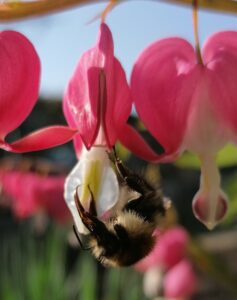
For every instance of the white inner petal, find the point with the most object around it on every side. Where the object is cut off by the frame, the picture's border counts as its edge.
(210, 189)
(93, 170)
(204, 133)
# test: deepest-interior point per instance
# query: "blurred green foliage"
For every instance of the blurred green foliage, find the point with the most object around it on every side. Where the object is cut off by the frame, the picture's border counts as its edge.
(35, 268)
(230, 187)
(227, 157)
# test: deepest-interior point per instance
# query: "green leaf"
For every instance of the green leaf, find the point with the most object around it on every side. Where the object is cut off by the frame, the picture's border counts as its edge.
(227, 157)
(87, 277)
(230, 188)
(188, 160)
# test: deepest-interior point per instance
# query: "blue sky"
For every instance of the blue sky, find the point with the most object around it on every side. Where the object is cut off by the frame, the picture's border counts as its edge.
(61, 38)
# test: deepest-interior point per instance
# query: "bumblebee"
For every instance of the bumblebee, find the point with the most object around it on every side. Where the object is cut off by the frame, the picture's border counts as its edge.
(126, 237)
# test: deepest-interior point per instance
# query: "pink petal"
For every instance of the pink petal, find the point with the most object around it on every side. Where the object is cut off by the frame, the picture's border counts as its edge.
(77, 141)
(224, 41)
(132, 140)
(82, 94)
(163, 254)
(220, 55)
(45, 138)
(162, 82)
(180, 281)
(105, 44)
(119, 101)
(19, 80)
(30, 192)
(49, 197)
(98, 97)
(22, 199)
(81, 100)
(175, 238)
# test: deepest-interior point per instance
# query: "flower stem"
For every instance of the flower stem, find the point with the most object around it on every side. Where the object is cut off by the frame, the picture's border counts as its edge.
(15, 9)
(107, 9)
(19, 9)
(195, 29)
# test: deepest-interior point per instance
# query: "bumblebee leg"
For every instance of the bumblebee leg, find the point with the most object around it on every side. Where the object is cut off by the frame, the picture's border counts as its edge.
(79, 239)
(134, 181)
(97, 228)
(87, 218)
(123, 171)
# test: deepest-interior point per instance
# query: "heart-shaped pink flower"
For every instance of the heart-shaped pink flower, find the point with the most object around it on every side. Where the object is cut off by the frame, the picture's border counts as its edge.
(19, 86)
(189, 106)
(98, 102)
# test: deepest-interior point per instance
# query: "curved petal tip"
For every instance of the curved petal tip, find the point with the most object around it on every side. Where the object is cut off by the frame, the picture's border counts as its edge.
(44, 138)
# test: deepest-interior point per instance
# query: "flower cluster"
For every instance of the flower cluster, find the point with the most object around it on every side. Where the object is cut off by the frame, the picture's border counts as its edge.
(185, 103)
(167, 268)
(188, 105)
(29, 193)
(98, 102)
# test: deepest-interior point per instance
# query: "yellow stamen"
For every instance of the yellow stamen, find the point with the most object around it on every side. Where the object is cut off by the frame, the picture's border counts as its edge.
(92, 180)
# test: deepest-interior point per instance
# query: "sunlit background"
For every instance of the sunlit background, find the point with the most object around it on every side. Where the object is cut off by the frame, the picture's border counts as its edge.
(39, 255)
(61, 38)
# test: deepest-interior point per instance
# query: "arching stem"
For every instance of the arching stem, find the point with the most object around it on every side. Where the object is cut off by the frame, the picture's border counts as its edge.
(196, 34)
(107, 9)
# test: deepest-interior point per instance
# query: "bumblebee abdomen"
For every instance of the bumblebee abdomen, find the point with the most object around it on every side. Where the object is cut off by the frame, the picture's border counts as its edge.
(137, 250)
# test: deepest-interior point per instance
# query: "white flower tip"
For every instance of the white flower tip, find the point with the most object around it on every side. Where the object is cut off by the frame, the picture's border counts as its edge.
(210, 210)
(210, 225)
(92, 170)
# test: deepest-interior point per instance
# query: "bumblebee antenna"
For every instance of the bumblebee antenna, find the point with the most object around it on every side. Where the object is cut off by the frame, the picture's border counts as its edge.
(79, 240)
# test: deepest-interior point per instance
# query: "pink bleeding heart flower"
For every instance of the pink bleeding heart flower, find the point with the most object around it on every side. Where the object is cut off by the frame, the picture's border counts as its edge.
(170, 248)
(49, 194)
(180, 282)
(191, 106)
(19, 188)
(30, 193)
(98, 102)
(19, 86)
